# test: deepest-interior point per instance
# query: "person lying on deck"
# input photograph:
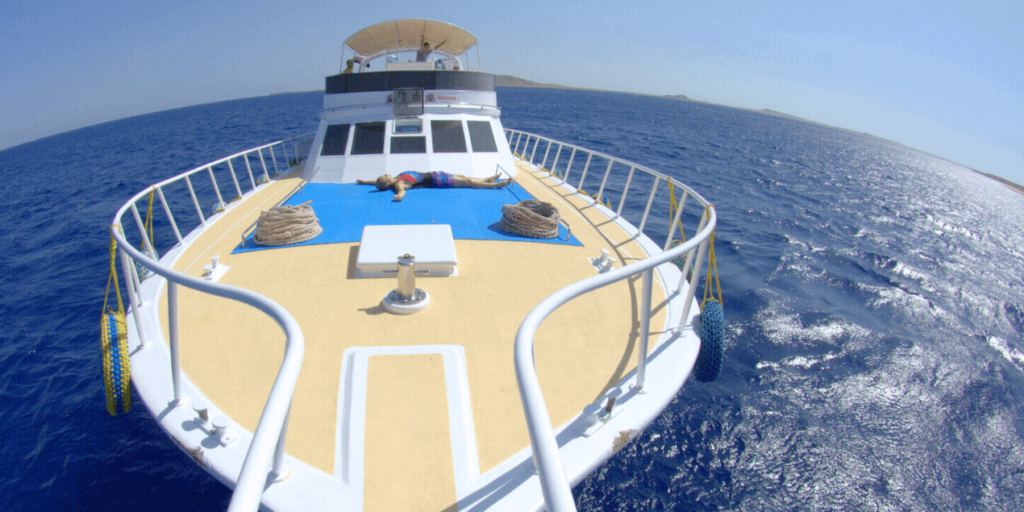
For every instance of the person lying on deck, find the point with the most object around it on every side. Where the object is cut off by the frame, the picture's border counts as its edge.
(413, 179)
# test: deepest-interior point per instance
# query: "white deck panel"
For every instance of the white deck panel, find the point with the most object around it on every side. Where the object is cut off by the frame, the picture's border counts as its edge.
(432, 246)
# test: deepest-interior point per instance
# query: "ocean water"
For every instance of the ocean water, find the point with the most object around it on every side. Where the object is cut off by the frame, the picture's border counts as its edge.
(873, 295)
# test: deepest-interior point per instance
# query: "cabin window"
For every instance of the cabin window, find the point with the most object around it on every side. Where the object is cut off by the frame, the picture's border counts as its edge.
(448, 136)
(401, 145)
(482, 137)
(369, 139)
(335, 140)
(408, 126)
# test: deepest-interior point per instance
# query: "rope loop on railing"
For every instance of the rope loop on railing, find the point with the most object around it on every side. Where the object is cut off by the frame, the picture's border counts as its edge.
(709, 285)
(148, 245)
(673, 206)
(149, 216)
(112, 277)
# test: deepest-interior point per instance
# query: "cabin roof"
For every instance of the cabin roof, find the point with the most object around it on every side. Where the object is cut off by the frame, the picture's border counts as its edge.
(409, 34)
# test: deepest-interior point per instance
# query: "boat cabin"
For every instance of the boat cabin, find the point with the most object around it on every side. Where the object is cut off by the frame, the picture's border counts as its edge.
(394, 113)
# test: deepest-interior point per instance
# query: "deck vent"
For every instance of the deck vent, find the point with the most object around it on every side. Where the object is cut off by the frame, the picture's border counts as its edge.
(406, 299)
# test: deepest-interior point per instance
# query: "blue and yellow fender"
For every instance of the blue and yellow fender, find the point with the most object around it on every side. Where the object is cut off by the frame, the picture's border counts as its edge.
(114, 347)
(712, 324)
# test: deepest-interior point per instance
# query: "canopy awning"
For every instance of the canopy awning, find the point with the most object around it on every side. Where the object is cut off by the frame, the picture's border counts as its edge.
(410, 35)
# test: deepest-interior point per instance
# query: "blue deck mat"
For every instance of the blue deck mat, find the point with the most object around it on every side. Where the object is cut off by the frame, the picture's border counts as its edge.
(473, 214)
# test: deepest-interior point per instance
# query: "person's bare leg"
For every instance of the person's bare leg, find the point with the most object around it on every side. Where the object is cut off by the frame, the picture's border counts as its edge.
(462, 181)
(488, 183)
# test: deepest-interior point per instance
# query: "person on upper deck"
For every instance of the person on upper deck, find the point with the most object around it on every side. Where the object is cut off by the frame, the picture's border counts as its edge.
(413, 179)
(425, 50)
(348, 67)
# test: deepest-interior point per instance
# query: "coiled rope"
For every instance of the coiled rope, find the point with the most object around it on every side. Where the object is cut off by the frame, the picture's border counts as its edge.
(114, 346)
(283, 225)
(532, 218)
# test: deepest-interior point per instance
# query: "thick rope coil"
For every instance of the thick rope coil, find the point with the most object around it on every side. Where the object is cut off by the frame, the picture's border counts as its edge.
(283, 225)
(532, 218)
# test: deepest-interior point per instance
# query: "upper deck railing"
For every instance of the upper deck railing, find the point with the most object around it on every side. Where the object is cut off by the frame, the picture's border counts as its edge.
(554, 482)
(266, 452)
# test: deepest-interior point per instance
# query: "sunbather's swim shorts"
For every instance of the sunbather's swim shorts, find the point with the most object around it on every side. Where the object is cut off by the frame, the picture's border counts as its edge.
(441, 180)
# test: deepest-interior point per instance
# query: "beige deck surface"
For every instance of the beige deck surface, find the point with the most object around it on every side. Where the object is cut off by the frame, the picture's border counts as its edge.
(232, 352)
(402, 387)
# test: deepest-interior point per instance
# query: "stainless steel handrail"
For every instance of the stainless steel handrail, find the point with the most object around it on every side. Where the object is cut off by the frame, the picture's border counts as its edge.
(266, 451)
(554, 481)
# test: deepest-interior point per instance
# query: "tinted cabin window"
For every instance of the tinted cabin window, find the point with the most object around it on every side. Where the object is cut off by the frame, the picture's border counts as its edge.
(408, 145)
(482, 137)
(335, 140)
(369, 139)
(448, 137)
(408, 126)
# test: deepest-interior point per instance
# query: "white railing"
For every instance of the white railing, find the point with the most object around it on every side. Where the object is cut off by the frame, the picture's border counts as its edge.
(554, 482)
(266, 452)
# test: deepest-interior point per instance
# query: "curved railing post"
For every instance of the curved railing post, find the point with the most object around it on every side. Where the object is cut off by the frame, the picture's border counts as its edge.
(172, 328)
(266, 453)
(267, 440)
(645, 327)
(133, 296)
(553, 479)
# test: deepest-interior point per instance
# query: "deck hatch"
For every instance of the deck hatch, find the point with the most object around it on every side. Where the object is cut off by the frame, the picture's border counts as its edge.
(381, 246)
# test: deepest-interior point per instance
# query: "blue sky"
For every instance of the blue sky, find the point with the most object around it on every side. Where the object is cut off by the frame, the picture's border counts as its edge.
(943, 77)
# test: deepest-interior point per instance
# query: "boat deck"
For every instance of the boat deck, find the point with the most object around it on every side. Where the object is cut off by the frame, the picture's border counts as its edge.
(439, 387)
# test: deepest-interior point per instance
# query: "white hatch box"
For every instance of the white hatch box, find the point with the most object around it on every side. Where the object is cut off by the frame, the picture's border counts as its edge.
(431, 244)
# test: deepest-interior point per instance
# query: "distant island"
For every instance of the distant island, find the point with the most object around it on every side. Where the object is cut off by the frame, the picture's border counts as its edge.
(1004, 181)
(512, 81)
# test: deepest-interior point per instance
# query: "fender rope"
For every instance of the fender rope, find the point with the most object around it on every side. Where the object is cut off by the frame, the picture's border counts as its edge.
(709, 292)
(672, 210)
(147, 245)
(708, 365)
(114, 346)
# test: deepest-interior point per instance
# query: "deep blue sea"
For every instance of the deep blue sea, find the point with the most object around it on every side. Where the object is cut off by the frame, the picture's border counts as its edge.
(874, 296)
